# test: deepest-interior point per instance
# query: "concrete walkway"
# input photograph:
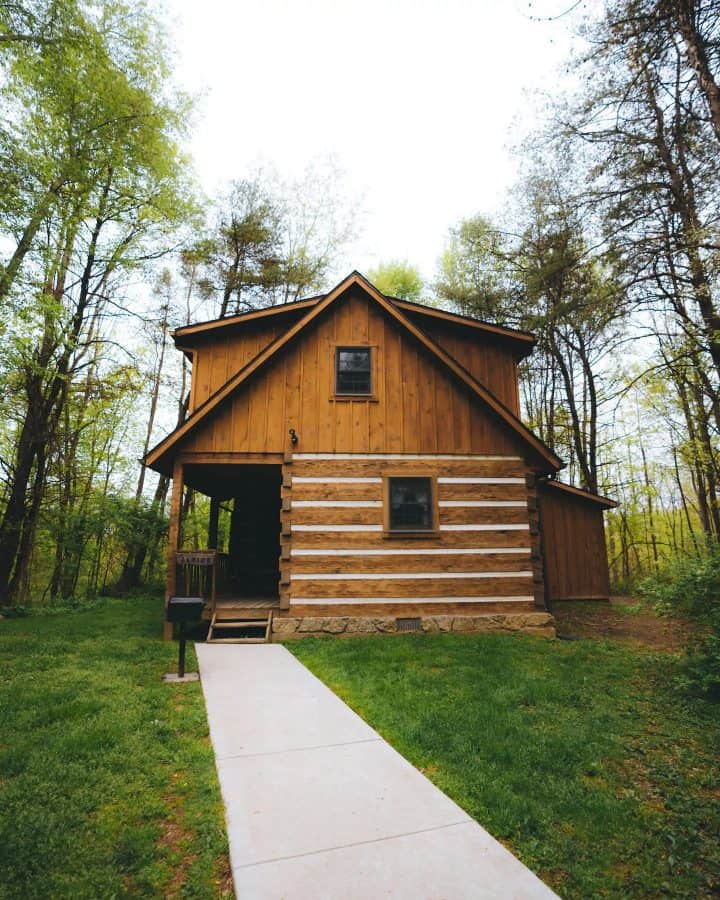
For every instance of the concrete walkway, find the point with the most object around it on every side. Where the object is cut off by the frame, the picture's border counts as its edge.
(320, 807)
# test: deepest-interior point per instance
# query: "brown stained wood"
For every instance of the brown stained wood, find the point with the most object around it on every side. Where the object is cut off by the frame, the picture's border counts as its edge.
(420, 587)
(409, 397)
(522, 341)
(293, 387)
(286, 533)
(493, 428)
(360, 426)
(442, 409)
(492, 361)
(230, 458)
(377, 411)
(187, 333)
(336, 516)
(413, 407)
(432, 436)
(393, 394)
(310, 393)
(310, 492)
(275, 422)
(483, 515)
(222, 432)
(446, 539)
(408, 610)
(492, 492)
(258, 416)
(573, 545)
(358, 312)
(445, 468)
(441, 563)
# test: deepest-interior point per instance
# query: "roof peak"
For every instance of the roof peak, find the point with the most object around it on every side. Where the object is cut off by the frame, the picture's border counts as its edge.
(357, 277)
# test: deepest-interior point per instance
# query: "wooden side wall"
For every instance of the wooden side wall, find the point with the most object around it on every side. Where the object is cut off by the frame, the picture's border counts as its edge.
(337, 560)
(574, 551)
(218, 356)
(487, 358)
(416, 405)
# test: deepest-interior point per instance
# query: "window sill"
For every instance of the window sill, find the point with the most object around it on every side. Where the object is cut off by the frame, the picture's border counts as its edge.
(353, 398)
(430, 533)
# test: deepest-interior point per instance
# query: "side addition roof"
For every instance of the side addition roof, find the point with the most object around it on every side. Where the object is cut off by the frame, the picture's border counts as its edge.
(579, 494)
(154, 458)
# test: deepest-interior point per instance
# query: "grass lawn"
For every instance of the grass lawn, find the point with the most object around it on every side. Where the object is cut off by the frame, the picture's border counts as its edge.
(107, 780)
(580, 756)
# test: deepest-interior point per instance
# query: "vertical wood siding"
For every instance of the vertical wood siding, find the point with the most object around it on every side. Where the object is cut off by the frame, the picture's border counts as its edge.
(416, 405)
(487, 358)
(574, 551)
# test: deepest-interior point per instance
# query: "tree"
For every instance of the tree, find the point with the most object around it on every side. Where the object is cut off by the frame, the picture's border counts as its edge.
(472, 271)
(101, 130)
(648, 122)
(398, 278)
(539, 275)
(273, 241)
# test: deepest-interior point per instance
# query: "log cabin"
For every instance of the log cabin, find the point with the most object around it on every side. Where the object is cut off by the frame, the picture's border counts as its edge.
(368, 461)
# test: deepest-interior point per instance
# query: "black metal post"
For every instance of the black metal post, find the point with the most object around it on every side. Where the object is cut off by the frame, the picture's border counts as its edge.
(181, 652)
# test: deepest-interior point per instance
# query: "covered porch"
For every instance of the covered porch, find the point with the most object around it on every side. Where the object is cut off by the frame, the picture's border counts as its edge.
(224, 539)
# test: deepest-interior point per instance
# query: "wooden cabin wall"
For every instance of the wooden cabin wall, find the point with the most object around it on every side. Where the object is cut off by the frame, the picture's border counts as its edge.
(574, 551)
(338, 561)
(417, 406)
(219, 355)
(487, 358)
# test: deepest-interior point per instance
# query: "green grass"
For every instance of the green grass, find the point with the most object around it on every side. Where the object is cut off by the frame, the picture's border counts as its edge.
(580, 757)
(107, 779)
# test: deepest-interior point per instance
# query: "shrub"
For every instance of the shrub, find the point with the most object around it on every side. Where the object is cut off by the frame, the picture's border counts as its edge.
(690, 586)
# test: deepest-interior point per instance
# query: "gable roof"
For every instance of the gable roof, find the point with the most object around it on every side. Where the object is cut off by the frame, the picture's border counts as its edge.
(242, 318)
(523, 339)
(579, 493)
(317, 309)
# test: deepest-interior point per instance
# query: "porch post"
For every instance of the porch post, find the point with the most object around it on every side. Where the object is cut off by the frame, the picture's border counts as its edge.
(173, 538)
(213, 523)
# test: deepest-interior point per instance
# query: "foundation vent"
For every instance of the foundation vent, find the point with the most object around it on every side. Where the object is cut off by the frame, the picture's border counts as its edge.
(408, 624)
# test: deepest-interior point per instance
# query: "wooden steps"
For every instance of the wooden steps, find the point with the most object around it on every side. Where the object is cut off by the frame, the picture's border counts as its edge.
(235, 626)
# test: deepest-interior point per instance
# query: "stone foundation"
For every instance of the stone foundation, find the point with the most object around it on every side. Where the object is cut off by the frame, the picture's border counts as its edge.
(538, 623)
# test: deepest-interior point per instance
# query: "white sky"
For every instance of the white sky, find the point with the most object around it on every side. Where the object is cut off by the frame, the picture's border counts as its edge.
(419, 101)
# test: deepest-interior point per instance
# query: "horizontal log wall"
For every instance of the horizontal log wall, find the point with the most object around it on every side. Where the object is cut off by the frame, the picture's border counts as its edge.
(338, 560)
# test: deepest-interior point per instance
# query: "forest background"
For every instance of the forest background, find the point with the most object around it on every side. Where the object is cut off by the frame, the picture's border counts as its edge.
(607, 249)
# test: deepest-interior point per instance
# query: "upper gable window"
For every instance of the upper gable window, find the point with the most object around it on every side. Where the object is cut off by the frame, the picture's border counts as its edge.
(353, 370)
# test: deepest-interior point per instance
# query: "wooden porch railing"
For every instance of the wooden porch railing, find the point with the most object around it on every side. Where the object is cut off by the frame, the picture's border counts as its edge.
(201, 573)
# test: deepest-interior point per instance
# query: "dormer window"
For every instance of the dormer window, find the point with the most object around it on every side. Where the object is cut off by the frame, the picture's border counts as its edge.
(353, 371)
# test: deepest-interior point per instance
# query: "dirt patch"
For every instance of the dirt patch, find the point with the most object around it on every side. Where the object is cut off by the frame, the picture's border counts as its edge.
(176, 839)
(224, 879)
(622, 619)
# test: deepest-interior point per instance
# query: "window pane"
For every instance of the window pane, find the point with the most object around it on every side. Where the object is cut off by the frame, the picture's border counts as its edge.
(353, 371)
(410, 504)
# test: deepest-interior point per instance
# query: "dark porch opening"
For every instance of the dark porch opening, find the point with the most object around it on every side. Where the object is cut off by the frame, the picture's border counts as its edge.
(243, 528)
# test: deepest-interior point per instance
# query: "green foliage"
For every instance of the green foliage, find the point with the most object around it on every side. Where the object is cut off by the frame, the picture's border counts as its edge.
(472, 271)
(107, 778)
(398, 278)
(566, 752)
(690, 586)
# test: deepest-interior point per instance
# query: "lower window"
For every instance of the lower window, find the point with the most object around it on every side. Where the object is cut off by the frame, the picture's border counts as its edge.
(410, 504)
